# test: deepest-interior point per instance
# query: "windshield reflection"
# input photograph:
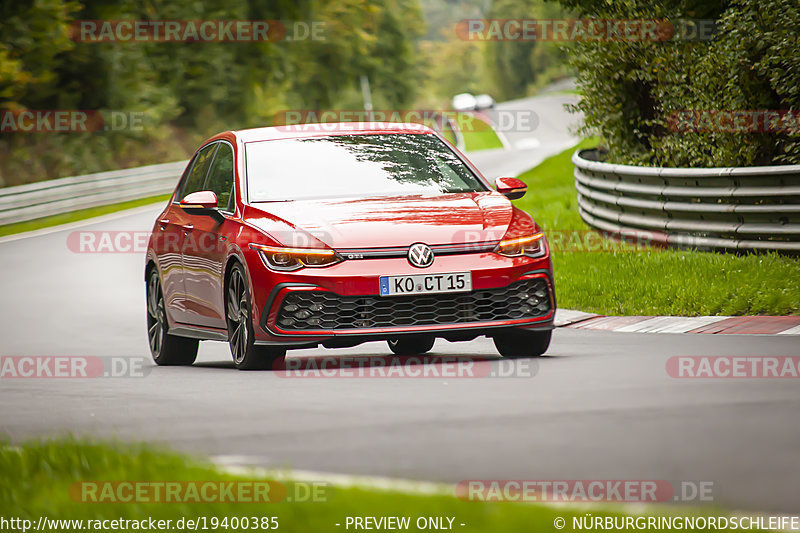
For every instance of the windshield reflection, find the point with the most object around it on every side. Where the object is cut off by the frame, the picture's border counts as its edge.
(355, 165)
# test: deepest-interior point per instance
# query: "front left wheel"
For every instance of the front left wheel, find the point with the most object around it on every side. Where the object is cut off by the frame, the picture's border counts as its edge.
(246, 355)
(520, 343)
(167, 350)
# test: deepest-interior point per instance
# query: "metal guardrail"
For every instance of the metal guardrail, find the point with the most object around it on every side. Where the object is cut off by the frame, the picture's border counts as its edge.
(747, 208)
(52, 197)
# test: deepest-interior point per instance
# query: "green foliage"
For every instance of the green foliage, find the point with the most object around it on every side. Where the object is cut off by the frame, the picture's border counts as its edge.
(519, 66)
(189, 90)
(631, 89)
(375, 38)
(478, 134)
(452, 66)
(627, 281)
(33, 36)
(36, 477)
(504, 69)
(441, 14)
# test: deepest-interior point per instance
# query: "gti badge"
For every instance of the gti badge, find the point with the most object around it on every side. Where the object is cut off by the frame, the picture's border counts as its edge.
(420, 255)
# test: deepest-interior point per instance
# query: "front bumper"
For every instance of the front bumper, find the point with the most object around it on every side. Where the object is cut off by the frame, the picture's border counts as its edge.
(345, 298)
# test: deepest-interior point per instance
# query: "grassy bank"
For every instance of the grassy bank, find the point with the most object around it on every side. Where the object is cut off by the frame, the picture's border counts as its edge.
(45, 479)
(627, 281)
(478, 134)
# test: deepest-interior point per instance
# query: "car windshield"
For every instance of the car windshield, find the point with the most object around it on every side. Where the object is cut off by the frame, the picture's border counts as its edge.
(355, 165)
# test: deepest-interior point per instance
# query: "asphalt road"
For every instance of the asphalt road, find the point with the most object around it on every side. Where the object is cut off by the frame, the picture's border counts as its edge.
(532, 129)
(597, 406)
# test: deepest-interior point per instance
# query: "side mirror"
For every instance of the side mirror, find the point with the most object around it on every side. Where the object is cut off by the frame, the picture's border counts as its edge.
(202, 203)
(511, 188)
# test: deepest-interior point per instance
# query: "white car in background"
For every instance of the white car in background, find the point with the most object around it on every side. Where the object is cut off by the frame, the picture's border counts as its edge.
(464, 102)
(484, 101)
(468, 102)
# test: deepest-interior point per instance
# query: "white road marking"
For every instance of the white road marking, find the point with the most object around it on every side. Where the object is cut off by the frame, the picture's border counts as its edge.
(528, 143)
(791, 331)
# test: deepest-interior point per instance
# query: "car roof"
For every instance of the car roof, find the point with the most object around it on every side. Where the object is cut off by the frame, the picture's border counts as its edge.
(299, 131)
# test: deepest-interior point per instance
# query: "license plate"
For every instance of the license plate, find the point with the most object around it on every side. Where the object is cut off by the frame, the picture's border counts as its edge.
(426, 283)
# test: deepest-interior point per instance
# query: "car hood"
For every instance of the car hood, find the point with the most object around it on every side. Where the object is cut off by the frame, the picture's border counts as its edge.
(390, 221)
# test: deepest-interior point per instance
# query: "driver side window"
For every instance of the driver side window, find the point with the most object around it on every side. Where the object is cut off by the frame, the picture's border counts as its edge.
(197, 176)
(220, 177)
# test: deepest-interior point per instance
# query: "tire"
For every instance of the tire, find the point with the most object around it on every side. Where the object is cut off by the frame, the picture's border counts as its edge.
(520, 343)
(246, 355)
(411, 345)
(166, 349)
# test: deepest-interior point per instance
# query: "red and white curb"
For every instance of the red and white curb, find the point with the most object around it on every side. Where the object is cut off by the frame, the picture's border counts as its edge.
(728, 325)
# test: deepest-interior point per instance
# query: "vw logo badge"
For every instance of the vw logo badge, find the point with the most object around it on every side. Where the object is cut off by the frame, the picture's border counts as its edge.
(420, 255)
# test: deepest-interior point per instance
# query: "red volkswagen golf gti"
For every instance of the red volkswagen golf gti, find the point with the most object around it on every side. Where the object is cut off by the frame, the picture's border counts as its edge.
(335, 235)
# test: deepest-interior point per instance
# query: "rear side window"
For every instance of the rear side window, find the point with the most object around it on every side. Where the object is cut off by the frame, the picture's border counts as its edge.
(220, 177)
(197, 176)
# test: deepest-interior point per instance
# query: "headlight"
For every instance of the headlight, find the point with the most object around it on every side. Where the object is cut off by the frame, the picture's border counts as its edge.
(287, 259)
(531, 246)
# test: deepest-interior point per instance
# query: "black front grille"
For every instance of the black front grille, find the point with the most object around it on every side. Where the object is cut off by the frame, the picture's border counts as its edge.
(314, 310)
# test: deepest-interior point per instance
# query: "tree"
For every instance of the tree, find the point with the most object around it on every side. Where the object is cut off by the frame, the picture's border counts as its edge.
(517, 65)
(33, 36)
(631, 90)
(189, 90)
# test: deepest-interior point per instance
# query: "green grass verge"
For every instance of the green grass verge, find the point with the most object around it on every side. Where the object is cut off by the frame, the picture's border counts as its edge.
(74, 216)
(449, 135)
(39, 479)
(478, 134)
(655, 282)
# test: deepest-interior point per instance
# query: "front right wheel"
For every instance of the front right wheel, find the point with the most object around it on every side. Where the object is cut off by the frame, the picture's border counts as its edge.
(246, 354)
(521, 343)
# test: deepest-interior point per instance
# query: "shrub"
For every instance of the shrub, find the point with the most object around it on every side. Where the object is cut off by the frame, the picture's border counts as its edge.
(632, 89)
